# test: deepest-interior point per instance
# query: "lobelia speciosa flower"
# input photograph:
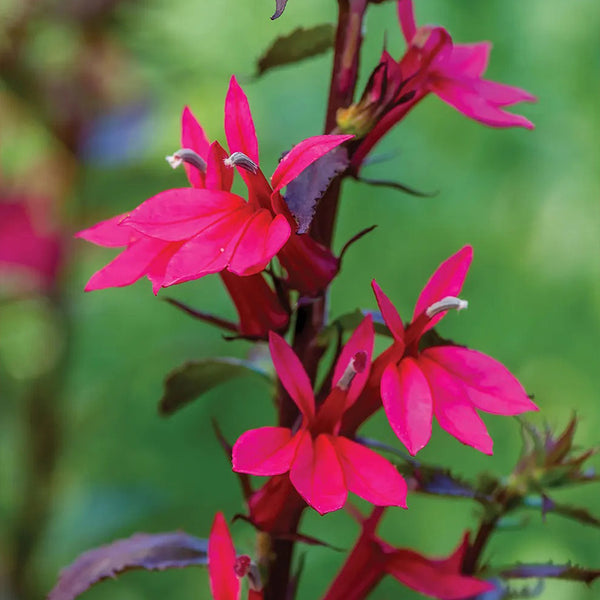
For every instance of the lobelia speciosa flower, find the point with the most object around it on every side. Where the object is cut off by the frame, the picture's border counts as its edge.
(432, 63)
(184, 234)
(225, 569)
(449, 381)
(323, 465)
(371, 559)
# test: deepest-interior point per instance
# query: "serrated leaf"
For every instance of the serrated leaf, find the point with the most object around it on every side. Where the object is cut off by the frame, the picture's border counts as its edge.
(193, 379)
(305, 191)
(152, 552)
(549, 570)
(296, 46)
(566, 510)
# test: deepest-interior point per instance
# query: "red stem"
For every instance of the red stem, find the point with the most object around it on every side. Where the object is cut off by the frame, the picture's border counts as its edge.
(311, 315)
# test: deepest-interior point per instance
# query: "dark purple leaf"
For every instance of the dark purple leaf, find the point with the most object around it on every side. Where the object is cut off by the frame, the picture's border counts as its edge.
(191, 380)
(279, 8)
(296, 46)
(396, 185)
(304, 192)
(153, 552)
(570, 572)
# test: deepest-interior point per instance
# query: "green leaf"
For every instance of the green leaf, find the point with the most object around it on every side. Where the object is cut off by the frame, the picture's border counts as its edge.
(296, 46)
(191, 380)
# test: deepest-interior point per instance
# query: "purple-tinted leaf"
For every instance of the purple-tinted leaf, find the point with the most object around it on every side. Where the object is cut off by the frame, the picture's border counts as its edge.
(305, 191)
(568, 571)
(296, 46)
(396, 185)
(279, 8)
(153, 552)
(192, 379)
(566, 510)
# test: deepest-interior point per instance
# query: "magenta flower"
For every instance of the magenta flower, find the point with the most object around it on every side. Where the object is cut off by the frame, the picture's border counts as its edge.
(184, 234)
(323, 465)
(433, 63)
(448, 381)
(372, 558)
(30, 248)
(225, 569)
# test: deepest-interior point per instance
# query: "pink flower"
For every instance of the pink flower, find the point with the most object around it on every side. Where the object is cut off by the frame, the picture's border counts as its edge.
(372, 558)
(452, 382)
(30, 250)
(224, 568)
(184, 234)
(323, 465)
(453, 72)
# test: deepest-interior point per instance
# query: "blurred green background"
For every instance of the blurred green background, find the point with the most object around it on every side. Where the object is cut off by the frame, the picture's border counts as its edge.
(527, 201)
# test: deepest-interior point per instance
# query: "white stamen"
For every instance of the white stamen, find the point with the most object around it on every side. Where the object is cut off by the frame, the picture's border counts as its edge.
(445, 304)
(174, 160)
(357, 365)
(239, 159)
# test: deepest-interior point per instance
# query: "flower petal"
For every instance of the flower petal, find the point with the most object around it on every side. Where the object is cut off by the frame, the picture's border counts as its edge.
(447, 280)
(110, 233)
(129, 266)
(390, 314)
(194, 138)
(218, 176)
(210, 251)
(489, 384)
(406, 17)
(239, 127)
(361, 340)
(180, 214)
(465, 99)
(452, 407)
(317, 475)
(424, 575)
(369, 475)
(265, 451)
(224, 584)
(470, 60)
(292, 375)
(302, 155)
(407, 403)
(260, 242)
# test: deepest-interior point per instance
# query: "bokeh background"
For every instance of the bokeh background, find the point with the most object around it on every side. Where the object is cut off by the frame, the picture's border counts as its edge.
(91, 94)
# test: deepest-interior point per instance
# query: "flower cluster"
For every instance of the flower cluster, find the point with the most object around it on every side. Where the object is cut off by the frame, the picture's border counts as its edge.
(277, 276)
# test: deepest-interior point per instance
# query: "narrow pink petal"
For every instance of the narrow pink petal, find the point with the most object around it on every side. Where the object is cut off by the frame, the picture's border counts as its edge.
(302, 155)
(369, 475)
(407, 403)
(475, 106)
(179, 214)
(489, 384)
(239, 127)
(109, 233)
(128, 266)
(292, 375)
(453, 409)
(500, 94)
(157, 269)
(265, 451)
(361, 340)
(210, 251)
(390, 314)
(317, 475)
(193, 137)
(424, 575)
(224, 584)
(218, 176)
(406, 16)
(260, 242)
(470, 60)
(447, 280)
